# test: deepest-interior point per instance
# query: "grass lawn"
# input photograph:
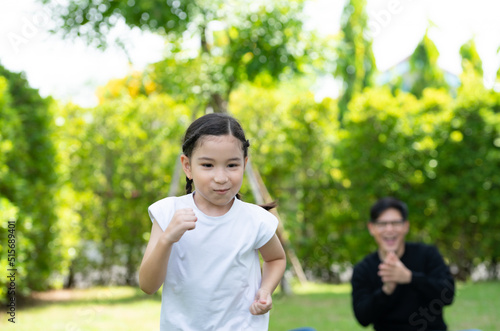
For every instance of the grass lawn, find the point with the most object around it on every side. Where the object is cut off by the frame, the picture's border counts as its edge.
(324, 307)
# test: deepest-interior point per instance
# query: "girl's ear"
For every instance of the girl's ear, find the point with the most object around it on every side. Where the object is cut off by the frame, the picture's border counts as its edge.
(186, 166)
(245, 165)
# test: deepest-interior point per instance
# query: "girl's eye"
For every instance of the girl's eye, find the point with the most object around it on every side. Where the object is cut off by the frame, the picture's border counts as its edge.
(206, 165)
(233, 165)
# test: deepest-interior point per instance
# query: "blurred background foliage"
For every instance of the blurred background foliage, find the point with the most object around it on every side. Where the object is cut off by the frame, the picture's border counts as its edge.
(78, 181)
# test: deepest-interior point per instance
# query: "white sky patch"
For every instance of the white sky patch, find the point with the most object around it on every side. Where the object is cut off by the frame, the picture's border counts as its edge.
(69, 70)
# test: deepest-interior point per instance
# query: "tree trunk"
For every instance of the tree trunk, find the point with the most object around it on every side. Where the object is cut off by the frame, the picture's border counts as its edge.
(176, 177)
(218, 104)
(70, 281)
(262, 196)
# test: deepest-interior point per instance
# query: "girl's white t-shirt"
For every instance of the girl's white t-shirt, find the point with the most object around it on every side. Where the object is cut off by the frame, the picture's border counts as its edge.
(214, 271)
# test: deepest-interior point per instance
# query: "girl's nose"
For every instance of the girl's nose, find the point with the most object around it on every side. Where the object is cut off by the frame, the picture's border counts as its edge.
(220, 177)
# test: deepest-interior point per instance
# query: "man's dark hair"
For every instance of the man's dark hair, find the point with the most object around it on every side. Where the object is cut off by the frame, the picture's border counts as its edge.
(387, 203)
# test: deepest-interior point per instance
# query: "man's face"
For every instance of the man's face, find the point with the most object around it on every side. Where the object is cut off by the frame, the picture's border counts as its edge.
(389, 232)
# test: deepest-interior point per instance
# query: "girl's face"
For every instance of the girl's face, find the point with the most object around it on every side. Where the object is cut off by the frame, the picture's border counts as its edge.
(216, 167)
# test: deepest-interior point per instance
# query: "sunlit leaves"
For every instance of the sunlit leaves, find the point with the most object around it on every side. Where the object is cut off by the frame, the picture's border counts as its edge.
(211, 46)
(355, 64)
(424, 70)
(469, 55)
(122, 161)
(28, 178)
(94, 19)
(430, 153)
(292, 140)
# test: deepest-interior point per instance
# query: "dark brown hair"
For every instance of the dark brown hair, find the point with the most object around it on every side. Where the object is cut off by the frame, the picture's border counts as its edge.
(387, 203)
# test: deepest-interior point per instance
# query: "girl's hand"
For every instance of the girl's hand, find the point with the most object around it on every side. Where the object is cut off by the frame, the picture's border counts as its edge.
(262, 303)
(182, 221)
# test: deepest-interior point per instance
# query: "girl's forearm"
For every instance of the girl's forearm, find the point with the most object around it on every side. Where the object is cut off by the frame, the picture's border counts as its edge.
(272, 272)
(154, 267)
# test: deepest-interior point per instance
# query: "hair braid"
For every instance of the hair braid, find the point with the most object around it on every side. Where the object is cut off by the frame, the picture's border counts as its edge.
(189, 185)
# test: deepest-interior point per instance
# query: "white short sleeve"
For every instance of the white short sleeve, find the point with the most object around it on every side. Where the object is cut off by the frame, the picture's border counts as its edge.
(162, 211)
(267, 228)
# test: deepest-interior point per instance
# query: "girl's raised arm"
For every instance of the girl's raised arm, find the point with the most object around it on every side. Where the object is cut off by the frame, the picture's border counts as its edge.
(155, 261)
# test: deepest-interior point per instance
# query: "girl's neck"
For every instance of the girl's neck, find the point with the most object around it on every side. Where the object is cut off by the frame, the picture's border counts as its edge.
(211, 210)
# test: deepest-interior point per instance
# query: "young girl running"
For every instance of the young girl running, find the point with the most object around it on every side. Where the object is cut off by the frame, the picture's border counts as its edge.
(203, 245)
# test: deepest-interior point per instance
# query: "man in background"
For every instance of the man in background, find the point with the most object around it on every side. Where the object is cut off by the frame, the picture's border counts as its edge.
(402, 286)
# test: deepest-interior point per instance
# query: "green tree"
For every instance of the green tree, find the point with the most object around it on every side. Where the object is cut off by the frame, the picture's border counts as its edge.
(28, 180)
(466, 173)
(292, 138)
(424, 70)
(437, 154)
(9, 123)
(120, 156)
(355, 64)
(470, 57)
(380, 153)
(237, 40)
